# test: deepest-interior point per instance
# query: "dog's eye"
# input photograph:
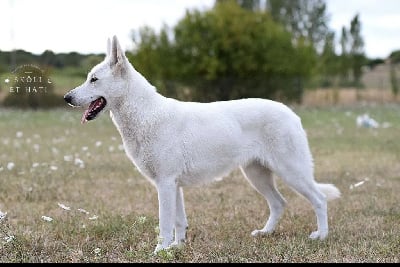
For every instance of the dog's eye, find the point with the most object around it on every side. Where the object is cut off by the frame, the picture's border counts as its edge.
(93, 79)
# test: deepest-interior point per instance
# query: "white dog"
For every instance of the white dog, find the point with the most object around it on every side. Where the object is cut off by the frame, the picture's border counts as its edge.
(175, 144)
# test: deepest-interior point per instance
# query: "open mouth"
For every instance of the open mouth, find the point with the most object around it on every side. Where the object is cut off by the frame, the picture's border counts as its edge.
(94, 109)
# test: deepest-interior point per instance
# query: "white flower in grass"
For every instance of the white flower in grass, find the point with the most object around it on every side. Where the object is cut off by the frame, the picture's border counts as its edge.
(141, 219)
(10, 166)
(1, 169)
(35, 164)
(121, 147)
(386, 125)
(2, 215)
(68, 158)
(53, 168)
(54, 150)
(36, 147)
(47, 219)
(79, 162)
(98, 143)
(97, 251)
(63, 206)
(19, 134)
(9, 238)
(83, 211)
(111, 148)
(17, 144)
(85, 148)
(94, 217)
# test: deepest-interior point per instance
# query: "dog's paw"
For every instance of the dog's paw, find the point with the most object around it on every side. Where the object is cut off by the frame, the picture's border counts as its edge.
(159, 248)
(177, 244)
(168, 251)
(319, 235)
(256, 233)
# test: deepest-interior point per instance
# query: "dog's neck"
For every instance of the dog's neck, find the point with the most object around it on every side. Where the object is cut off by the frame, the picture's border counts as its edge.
(136, 113)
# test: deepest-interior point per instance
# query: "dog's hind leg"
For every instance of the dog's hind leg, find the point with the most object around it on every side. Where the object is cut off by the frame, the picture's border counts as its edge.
(261, 178)
(319, 203)
(302, 181)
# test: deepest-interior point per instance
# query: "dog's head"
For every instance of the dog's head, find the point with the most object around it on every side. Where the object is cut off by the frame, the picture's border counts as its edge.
(104, 85)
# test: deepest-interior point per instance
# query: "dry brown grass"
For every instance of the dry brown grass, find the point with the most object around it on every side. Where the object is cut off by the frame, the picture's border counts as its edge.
(364, 222)
(348, 97)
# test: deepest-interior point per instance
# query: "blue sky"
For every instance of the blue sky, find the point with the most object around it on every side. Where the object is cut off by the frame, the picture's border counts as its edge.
(84, 25)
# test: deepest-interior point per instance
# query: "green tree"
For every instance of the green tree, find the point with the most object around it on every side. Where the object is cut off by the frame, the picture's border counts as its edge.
(328, 65)
(344, 57)
(305, 19)
(48, 58)
(226, 57)
(252, 5)
(352, 57)
(357, 50)
(395, 57)
(394, 61)
(393, 80)
(154, 55)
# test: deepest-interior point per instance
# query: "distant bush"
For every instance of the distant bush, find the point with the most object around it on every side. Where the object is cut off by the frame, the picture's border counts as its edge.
(372, 63)
(395, 56)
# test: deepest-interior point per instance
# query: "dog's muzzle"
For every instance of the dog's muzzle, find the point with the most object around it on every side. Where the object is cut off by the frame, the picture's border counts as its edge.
(68, 99)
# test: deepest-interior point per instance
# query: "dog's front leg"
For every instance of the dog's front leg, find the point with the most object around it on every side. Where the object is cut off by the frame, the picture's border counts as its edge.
(181, 220)
(167, 190)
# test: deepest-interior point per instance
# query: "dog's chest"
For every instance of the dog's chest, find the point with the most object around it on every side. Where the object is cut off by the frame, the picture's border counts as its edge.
(141, 156)
(138, 148)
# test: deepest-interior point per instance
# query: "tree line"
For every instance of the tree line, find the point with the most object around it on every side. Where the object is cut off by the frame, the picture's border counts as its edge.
(76, 62)
(238, 48)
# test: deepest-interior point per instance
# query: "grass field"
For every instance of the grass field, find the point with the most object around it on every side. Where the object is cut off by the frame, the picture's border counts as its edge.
(102, 210)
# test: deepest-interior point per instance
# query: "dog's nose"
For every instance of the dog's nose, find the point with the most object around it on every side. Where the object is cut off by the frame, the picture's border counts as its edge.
(68, 98)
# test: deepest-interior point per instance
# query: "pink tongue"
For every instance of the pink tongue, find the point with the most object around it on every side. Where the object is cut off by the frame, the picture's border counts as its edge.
(85, 114)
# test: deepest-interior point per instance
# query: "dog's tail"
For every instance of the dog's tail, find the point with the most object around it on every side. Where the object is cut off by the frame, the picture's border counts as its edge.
(329, 190)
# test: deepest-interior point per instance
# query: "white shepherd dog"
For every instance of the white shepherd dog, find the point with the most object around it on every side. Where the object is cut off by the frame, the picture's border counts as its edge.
(176, 144)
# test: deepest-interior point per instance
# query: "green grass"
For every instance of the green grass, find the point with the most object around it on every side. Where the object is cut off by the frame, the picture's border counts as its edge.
(364, 222)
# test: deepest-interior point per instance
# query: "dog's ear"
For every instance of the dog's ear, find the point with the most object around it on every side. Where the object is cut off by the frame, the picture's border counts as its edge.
(117, 55)
(108, 47)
